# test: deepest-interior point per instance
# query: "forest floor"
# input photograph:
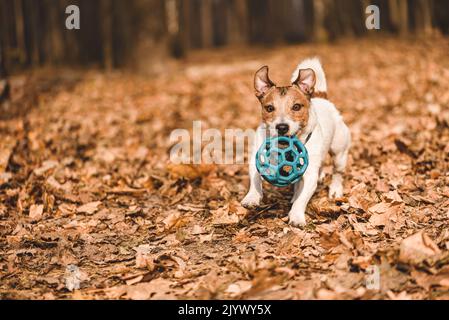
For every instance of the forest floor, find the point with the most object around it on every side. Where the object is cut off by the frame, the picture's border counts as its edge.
(87, 191)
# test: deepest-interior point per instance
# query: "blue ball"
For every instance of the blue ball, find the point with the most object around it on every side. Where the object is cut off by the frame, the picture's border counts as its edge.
(282, 161)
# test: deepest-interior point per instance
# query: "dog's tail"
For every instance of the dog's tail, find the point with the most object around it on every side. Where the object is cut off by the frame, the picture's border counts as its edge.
(321, 83)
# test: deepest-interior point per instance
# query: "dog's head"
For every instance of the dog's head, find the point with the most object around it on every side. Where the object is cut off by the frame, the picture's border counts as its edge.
(285, 110)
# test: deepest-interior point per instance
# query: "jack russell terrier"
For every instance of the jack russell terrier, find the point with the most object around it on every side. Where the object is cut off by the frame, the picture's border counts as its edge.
(301, 109)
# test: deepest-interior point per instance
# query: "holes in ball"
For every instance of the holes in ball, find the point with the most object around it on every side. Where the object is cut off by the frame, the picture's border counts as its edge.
(282, 144)
(285, 171)
(289, 156)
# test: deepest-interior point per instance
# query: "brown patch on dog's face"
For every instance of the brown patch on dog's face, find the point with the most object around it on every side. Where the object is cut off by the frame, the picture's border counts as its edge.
(282, 102)
(282, 105)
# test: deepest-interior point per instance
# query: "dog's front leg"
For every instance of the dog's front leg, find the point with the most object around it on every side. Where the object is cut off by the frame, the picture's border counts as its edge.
(310, 181)
(255, 193)
(297, 190)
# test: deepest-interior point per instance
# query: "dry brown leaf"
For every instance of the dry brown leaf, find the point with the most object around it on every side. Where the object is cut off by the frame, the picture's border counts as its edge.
(223, 216)
(238, 288)
(206, 238)
(427, 281)
(359, 197)
(172, 219)
(394, 197)
(381, 207)
(89, 208)
(400, 296)
(46, 166)
(6, 147)
(197, 229)
(36, 212)
(156, 289)
(417, 248)
(190, 172)
(236, 208)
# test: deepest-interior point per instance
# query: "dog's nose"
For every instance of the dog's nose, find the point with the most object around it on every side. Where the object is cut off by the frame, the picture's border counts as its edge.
(282, 128)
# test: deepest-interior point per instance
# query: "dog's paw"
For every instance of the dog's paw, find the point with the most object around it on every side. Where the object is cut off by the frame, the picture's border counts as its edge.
(252, 200)
(297, 220)
(335, 190)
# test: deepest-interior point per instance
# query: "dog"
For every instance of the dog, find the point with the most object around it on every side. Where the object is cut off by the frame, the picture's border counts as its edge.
(301, 109)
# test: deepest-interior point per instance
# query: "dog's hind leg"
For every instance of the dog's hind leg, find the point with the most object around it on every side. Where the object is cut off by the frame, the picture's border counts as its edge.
(339, 149)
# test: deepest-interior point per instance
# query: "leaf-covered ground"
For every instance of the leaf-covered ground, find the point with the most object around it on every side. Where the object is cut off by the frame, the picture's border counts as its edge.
(85, 183)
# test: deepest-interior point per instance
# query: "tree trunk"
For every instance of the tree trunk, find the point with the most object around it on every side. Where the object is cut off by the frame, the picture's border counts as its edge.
(55, 23)
(399, 16)
(237, 28)
(441, 15)
(309, 20)
(30, 34)
(3, 72)
(106, 31)
(150, 45)
(423, 17)
(206, 23)
(20, 31)
(276, 22)
(185, 22)
(319, 8)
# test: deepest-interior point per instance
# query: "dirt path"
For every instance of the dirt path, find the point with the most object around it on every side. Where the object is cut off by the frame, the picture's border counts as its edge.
(86, 190)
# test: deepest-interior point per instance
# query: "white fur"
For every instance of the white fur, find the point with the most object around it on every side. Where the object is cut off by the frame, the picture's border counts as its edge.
(315, 65)
(329, 134)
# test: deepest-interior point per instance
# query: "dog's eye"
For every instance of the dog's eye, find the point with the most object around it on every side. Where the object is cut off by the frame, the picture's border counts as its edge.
(269, 108)
(297, 107)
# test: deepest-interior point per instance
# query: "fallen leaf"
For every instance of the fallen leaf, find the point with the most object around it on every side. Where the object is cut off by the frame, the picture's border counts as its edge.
(394, 197)
(417, 248)
(190, 172)
(156, 289)
(171, 220)
(223, 216)
(379, 207)
(46, 166)
(197, 229)
(400, 296)
(36, 212)
(89, 208)
(236, 289)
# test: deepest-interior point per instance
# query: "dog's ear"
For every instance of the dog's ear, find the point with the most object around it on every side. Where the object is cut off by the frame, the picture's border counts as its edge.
(306, 81)
(262, 82)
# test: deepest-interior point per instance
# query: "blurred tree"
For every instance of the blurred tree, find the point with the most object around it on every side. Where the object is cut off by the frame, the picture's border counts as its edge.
(107, 33)
(3, 73)
(319, 26)
(144, 33)
(206, 23)
(399, 16)
(441, 15)
(423, 16)
(54, 24)
(237, 22)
